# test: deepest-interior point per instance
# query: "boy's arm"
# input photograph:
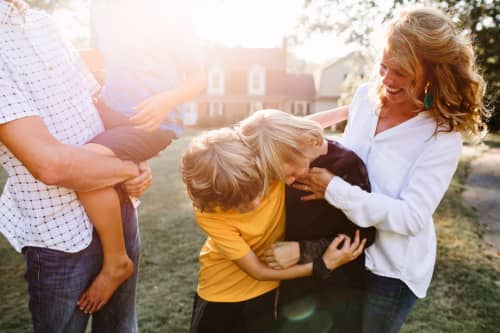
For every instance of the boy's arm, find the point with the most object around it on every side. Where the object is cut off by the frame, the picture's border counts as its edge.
(333, 257)
(288, 253)
(152, 111)
(255, 268)
(54, 163)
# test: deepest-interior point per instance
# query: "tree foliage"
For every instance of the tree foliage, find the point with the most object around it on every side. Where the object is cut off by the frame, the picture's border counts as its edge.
(482, 19)
(357, 20)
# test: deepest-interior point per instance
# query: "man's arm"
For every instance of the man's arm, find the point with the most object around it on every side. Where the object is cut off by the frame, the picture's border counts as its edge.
(54, 163)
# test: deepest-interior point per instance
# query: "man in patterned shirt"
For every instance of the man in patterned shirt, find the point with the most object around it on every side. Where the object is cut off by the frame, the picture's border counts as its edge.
(46, 113)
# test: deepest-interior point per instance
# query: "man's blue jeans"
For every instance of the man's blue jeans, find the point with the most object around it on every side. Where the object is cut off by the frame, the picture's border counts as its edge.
(388, 302)
(56, 280)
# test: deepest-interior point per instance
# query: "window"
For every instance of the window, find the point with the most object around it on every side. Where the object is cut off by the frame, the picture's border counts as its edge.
(255, 106)
(191, 114)
(216, 81)
(256, 80)
(300, 108)
(215, 109)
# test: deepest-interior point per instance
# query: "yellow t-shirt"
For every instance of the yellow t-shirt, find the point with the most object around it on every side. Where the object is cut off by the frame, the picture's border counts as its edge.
(231, 236)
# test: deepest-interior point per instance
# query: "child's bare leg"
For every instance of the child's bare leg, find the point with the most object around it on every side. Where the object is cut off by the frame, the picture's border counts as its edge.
(103, 208)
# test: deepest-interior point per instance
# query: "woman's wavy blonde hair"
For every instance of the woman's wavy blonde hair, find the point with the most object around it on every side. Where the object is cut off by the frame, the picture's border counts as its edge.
(278, 137)
(425, 38)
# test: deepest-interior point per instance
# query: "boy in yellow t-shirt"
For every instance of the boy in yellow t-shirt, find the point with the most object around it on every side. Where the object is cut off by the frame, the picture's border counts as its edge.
(239, 202)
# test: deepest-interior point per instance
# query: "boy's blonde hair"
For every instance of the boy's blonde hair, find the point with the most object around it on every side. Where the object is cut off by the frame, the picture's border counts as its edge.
(220, 170)
(278, 137)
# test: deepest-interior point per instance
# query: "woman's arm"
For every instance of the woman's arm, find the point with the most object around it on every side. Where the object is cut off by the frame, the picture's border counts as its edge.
(411, 211)
(330, 117)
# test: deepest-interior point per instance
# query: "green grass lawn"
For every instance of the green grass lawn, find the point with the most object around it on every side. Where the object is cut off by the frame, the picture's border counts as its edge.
(464, 295)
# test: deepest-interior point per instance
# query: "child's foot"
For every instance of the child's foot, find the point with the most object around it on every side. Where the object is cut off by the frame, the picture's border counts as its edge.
(104, 285)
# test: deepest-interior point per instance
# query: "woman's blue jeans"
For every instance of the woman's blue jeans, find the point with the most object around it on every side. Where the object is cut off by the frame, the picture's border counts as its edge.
(388, 302)
(56, 280)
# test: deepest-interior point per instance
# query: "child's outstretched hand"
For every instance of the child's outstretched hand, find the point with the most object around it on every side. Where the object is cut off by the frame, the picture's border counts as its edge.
(152, 112)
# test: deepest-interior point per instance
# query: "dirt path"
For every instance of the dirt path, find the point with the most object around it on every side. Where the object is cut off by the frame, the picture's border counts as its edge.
(482, 192)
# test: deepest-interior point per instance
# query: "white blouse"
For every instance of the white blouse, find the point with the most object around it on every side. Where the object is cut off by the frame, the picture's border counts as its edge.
(410, 170)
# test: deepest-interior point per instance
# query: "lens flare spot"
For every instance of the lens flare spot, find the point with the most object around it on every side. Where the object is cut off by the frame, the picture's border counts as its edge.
(300, 309)
(316, 321)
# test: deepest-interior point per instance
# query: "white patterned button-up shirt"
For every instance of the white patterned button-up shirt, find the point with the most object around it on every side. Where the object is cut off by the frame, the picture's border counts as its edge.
(41, 75)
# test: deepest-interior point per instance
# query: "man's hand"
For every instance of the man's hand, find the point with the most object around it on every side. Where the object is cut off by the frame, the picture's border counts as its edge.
(152, 111)
(316, 182)
(136, 186)
(282, 255)
(335, 257)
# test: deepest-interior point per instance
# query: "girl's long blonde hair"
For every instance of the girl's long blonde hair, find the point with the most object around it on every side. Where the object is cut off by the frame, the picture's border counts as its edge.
(278, 137)
(424, 37)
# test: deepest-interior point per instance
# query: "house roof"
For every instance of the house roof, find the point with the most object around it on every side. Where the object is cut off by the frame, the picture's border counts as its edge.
(350, 56)
(234, 59)
(300, 86)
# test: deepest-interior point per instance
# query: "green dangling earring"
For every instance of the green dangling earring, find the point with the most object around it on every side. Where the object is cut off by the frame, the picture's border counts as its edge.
(428, 98)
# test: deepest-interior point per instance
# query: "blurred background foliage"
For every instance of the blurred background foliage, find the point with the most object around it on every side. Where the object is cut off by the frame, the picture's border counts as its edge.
(359, 20)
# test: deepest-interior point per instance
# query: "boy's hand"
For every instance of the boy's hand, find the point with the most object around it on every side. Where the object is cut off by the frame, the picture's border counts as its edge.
(282, 255)
(152, 112)
(136, 186)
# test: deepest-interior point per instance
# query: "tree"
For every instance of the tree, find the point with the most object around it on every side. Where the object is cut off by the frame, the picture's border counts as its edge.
(354, 21)
(357, 21)
(482, 19)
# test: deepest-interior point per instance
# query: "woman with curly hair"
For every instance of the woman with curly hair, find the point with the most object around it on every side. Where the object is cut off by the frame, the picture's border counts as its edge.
(408, 129)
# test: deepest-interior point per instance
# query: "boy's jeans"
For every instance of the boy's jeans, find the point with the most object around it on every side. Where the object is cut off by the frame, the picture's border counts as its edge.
(56, 280)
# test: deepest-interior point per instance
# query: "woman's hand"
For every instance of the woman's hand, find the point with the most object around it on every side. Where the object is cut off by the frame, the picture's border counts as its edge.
(316, 182)
(152, 112)
(282, 255)
(335, 257)
(136, 186)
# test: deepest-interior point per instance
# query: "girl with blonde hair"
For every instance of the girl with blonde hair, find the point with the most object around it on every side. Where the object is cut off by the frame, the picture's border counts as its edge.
(407, 129)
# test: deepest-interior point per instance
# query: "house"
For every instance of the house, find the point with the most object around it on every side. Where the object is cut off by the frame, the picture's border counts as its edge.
(240, 82)
(333, 76)
(244, 80)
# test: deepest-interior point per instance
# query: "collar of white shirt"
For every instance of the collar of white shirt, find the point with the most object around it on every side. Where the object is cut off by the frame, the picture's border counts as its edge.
(12, 12)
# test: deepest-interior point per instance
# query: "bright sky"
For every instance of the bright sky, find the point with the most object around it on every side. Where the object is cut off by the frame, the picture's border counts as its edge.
(260, 23)
(243, 23)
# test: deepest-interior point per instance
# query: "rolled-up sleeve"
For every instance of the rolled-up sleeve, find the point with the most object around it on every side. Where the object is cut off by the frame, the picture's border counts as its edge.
(14, 102)
(226, 239)
(87, 78)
